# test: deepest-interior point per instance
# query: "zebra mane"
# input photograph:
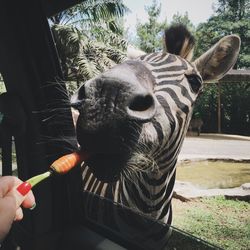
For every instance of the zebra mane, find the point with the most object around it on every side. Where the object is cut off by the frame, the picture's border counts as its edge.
(179, 41)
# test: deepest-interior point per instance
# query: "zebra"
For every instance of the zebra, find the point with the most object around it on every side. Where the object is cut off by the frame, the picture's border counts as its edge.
(133, 119)
(196, 125)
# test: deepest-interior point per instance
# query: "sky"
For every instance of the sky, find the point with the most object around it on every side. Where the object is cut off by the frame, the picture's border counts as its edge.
(198, 10)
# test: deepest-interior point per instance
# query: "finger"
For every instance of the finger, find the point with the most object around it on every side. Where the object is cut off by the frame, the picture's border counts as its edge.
(19, 193)
(7, 209)
(29, 201)
(7, 215)
(6, 188)
(19, 214)
(7, 183)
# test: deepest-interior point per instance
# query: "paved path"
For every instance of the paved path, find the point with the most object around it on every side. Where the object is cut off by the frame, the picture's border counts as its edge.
(214, 146)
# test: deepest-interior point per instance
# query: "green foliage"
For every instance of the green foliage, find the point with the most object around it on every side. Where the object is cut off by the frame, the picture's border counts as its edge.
(183, 19)
(235, 111)
(232, 17)
(89, 39)
(206, 106)
(83, 57)
(234, 10)
(150, 33)
(235, 108)
(91, 13)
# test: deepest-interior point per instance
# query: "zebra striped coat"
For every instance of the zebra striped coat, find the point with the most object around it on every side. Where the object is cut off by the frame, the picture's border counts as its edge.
(142, 109)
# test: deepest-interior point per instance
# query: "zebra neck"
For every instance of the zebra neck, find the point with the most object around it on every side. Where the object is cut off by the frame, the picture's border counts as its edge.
(149, 193)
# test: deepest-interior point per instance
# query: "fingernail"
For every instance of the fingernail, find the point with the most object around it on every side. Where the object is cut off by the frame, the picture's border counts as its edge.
(34, 205)
(24, 188)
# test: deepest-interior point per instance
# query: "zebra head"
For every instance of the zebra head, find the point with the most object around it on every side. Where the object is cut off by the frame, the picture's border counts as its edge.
(133, 118)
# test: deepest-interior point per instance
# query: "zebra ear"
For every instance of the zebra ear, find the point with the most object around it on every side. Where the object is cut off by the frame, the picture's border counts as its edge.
(179, 41)
(218, 60)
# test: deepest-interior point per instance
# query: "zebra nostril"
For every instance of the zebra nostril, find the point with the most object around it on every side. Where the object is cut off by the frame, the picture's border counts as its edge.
(142, 107)
(141, 103)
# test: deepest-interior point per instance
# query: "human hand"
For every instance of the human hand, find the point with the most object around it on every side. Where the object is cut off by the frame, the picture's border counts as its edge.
(10, 202)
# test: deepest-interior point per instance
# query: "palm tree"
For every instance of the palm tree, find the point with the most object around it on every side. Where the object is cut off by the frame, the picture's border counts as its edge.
(89, 39)
(83, 57)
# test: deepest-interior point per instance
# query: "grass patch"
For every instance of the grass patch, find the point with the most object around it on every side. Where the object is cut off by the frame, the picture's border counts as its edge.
(225, 223)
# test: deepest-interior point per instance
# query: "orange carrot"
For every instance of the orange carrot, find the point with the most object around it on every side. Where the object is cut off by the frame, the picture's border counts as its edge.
(60, 166)
(65, 163)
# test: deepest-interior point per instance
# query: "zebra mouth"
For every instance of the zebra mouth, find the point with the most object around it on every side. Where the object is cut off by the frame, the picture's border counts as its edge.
(106, 167)
(109, 151)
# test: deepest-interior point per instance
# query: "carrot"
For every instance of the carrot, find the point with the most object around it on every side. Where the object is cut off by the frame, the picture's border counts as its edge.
(61, 166)
(65, 163)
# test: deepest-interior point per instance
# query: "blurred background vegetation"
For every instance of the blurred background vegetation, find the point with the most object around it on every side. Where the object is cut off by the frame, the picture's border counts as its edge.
(91, 38)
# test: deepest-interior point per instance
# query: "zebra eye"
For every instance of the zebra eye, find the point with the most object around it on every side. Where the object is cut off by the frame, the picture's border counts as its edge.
(195, 82)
